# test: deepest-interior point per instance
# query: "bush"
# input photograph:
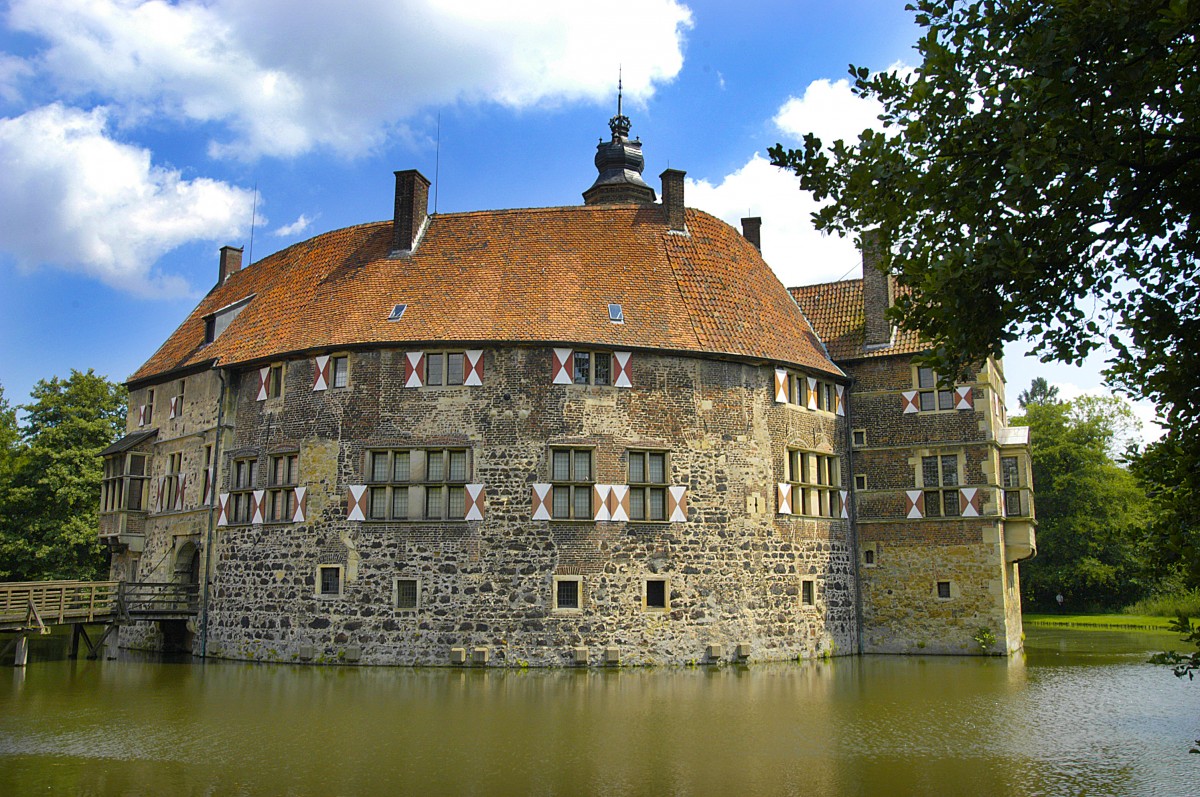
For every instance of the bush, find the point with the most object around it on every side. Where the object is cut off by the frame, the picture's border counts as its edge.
(1169, 604)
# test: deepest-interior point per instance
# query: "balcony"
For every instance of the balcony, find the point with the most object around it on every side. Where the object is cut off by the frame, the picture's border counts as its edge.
(126, 529)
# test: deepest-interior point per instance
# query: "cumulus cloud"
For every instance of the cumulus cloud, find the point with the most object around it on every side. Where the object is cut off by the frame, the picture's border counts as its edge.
(831, 110)
(283, 77)
(76, 198)
(798, 253)
(296, 227)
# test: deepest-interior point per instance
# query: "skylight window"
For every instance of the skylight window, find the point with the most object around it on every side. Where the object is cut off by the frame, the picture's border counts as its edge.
(397, 312)
(616, 314)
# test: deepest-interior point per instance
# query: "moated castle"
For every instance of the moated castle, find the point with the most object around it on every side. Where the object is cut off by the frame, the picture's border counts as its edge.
(602, 434)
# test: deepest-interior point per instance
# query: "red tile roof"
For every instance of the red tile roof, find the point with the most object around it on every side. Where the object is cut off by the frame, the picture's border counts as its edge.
(836, 312)
(525, 276)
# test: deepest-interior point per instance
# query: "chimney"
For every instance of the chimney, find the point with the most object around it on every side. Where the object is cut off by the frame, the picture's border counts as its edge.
(750, 231)
(231, 262)
(412, 208)
(672, 198)
(878, 290)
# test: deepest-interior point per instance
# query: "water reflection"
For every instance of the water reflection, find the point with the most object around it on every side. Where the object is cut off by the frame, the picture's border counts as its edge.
(1080, 714)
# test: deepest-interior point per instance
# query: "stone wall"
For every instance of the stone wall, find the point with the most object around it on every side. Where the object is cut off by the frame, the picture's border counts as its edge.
(733, 570)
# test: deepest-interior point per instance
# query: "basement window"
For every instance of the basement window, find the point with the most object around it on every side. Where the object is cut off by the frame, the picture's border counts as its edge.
(568, 593)
(408, 594)
(329, 581)
(656, 593)
(943, 590)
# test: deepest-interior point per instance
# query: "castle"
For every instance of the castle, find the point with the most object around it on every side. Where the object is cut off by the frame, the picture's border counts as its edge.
(602, 434)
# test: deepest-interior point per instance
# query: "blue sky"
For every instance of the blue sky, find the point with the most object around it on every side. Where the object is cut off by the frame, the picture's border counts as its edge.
(133, 135)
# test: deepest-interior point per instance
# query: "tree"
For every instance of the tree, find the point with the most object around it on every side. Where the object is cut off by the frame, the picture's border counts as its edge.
(1039, 392)
(1036, 177)
(48, 519)
(1091, 511)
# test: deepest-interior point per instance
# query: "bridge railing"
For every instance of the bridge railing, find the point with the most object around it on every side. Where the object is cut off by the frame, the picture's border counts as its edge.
(40, 603)
(159, 598)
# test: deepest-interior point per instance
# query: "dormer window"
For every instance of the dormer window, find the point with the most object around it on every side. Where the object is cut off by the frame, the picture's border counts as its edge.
(218, 322)
(616, 314)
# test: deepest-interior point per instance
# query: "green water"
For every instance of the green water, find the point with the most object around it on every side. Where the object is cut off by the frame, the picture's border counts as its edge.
(1079, 714)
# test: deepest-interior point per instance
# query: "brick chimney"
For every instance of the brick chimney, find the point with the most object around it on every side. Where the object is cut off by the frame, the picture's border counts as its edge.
(231, 262)
(750, 231)
(878, 291)
(412, 208)
(672, 198)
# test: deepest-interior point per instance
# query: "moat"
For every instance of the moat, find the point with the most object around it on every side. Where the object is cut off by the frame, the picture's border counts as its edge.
(1079, 713)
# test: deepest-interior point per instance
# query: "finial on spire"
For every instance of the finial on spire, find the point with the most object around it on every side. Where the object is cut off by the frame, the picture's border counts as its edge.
(619, 124)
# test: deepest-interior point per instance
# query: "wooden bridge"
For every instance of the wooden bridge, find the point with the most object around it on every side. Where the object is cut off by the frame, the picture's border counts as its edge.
(34, 606)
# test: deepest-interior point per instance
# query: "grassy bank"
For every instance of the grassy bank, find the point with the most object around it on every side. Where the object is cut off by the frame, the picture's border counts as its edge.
(1139, 622)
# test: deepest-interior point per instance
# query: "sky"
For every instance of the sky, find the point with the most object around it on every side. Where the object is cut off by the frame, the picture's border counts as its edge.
(137, 138)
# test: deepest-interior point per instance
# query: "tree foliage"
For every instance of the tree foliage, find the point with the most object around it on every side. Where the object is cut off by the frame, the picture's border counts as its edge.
(49, 498)
(1040, 392)
(1036, 177)
(1091, 511)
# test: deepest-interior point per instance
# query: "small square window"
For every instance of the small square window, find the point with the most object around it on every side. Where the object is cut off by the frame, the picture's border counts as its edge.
(943, 590)
(860, 481)
(408, 594)
(808, 592)
(860, 437)
(656, 593)
(568, 592)
(329, 581)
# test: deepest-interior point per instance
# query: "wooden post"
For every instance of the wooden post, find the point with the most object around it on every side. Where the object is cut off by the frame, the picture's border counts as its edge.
(22, 657)
(76, 629)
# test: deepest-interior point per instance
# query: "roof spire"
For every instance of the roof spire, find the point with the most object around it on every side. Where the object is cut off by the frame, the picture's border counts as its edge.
(619, 163)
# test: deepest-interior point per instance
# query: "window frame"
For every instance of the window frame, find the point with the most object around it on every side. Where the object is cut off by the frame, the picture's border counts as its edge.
(416, 607)
(808, 592)
(819, 479)
(555, 595)
(452, 490)
(928, 385)
(646, 489)
(319, 586)
(174, 468)
(1013, 490)
(447, 370)
(666, 594)
(275, 381)
(281, 495)
(592, 357)
(339, 366)
(119, 484)
(941, 495)
(574, 486)
(242, 484)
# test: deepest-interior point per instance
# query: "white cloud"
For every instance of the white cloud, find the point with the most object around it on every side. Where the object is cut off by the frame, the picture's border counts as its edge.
(298, 226)
(76, 198)
(831, 110)
(797, 253)
(284, 77)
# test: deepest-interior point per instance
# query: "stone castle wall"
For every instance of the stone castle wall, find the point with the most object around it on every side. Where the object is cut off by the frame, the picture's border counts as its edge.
(734, 569)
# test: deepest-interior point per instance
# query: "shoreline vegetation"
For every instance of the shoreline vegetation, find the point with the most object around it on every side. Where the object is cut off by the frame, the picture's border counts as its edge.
(1100, 622)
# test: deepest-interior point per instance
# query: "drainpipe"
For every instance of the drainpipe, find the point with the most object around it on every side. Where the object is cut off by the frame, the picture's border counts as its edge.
(853, 512)
(212, 515)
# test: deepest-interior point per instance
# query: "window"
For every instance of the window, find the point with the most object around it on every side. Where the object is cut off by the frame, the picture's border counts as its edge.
(124, 485)
(808, 592)
(815, 479)
(859, 437)
(616, 314)
(860, 481)
(150, 407)
(208, 474)
(444, 368)
(281, 497)
(647, 485)
(275, 382)
(931, 396)
(1010, 478)
(178, 400)
(568, 593)
(397, 312)
(417, 484)
(592, 368)
(329, 581)
(656, 593)
(572, 477)
(940, 471)
(869, 557)
(241, 496)
(408, 594)
(943, 590)
(171, 482)
(341, 371)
